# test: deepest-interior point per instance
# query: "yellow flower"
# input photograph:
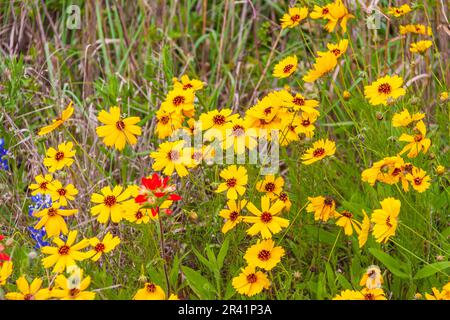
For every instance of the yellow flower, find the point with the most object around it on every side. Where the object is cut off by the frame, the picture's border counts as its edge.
(42, 184)
(264, 255)
(321, 12)
(266, 220)
(293, 17)
(117, 130)
(110, 204)
(62, 194)
(285, 67)
(136, 214)
(108, 243)
(386, 219)
(345, 220)
(399, 11)
(235, 181)
(64, 254)
(284, 197)
(186, 83)
(73, 288)
(324, 64)
(337, 10)
(323, 207)
(404, 119)
(416, 28)
(173, 297)
(167, 123)
(443, 96)
(6, 270)
(419, 179)
(271, 186)
(239, 137)
(319, 150)
(66, 114)
(365, 229)
(387, 170)
(438, 295)
(216, 122)
(180, 101)
(346, 95)
(336, 49)
(420, 46)
(27, 291)
(299, 103)
(385, 90)
(364, 294)
(57, 159)
(232, 214)
(150, 291)
(417, 142)
(170, 157)
(265, 114)
(53, 219)
(250, 282)
(372, 278)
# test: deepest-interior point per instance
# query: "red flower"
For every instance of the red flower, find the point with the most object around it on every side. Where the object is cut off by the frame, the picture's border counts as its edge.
(3, 256)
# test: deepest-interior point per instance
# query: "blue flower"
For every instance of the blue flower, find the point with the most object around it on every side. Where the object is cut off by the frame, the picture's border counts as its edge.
(38, 236)
(3, 153)
(40, 202)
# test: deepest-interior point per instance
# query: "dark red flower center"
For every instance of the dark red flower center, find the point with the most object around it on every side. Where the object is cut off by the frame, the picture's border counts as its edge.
(178, 100)
(266, 217)
(164, 120)
(150, 287)
(110, 201)
(288, 68)
(299, 101)
(99, 247)
(270, 186)
(64, 250)
(234, 215)
(295, 18)
(384, 88)
(59, 156)
(219, 119)
(319, 152)
(252, 278)
(264, 255)
(120, 125)
(62, 192)
(52, 212)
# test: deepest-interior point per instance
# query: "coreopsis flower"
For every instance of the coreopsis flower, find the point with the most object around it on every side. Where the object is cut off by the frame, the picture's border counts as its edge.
(284, 197)
(110, 203)
(290, 130)
(73, 288)
(298, 102)
(117, 131)
(180, 101)
(250, 282)
(306, 125)
(216, 122)
(443, 96)
(150, 291)
(100, 247)
(62, 194)
(323, 65)
(232, 214)
(399, 11)
(264, 254)
(385, 219)
(336, 49)
(384, 90)
(53, 219)
(266, 220)
(346, 220)
(372, 278)
(321, 12)
(285, 67)
(404, 118)
(135, 213)
(58, 159)
(364, 294)
(167, 123)
(365, 229)
(338, 11)
(240, 137)
(420, 46)
(416, 143)
(42, 184)
(416, 28)
(419, 179)
(265, 115)
(323, 207)
(65, 254)
(293, 17)
(320, 149)
(30, 291)
(65, 115)
(387, 170)
(185, 83)
(270, 185)
(438, 295)
(235, 181)
(169, 158)
(6, 269)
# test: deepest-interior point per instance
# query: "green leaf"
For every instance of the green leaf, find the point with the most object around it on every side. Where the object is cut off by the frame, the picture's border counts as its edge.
(390, 263)
(223, 252)
(431, 269)
(199, 284)
(203, 260)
